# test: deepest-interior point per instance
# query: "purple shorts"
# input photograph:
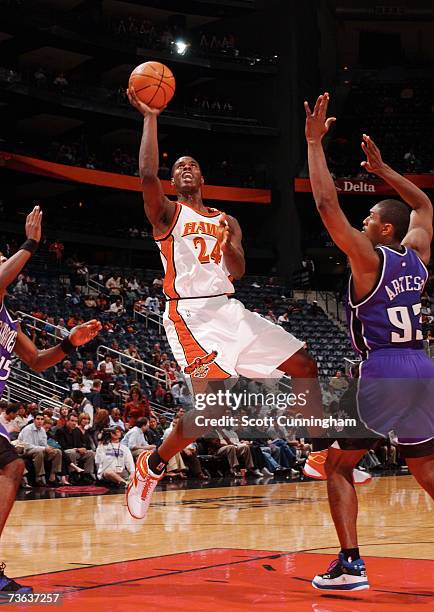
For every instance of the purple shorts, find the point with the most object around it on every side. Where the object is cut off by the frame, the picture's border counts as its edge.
(396, 394)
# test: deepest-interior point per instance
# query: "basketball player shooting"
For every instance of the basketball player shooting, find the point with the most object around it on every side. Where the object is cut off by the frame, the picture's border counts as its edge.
(13, 340)
(388, 260)
(213, 338)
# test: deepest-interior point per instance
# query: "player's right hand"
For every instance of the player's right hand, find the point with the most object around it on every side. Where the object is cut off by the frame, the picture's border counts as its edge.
(33, 224)
(143, 108)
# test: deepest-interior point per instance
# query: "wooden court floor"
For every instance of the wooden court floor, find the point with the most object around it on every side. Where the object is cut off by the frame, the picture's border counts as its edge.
(231, 548)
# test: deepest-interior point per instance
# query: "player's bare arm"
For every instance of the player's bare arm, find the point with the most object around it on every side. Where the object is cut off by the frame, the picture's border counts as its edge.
(39, 360)
(230, 236)
(420, 231)
(363, 258)
(158, 209)
(10, 269)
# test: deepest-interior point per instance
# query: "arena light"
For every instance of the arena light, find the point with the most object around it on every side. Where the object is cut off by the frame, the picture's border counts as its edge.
(180, 47)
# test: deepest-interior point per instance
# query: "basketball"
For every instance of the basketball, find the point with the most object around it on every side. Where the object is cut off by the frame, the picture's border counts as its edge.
(154, 84)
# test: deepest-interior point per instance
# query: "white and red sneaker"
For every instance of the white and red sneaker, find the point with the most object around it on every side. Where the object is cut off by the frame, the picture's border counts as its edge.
(315, 468)
(315, 465)
(141, 487)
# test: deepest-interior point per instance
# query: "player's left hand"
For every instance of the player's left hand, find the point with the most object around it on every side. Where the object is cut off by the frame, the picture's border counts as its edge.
(317, 124)
(374, 162)
(81, 334)
(224, 233)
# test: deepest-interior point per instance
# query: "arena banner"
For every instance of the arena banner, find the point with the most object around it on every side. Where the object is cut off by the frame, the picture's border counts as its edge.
(367, 186)
(63, 172)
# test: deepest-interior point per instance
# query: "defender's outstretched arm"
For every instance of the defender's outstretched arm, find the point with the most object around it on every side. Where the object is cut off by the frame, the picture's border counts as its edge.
(420, 231)
(350, 240)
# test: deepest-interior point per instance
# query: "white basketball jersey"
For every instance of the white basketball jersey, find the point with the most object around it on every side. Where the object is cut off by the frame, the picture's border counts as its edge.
(193, 263)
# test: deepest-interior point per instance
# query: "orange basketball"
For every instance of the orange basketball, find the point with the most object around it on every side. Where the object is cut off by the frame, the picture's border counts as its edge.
(154, 84)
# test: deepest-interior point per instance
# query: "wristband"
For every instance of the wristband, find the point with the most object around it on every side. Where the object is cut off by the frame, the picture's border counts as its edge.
(30, 245)
(67, 346)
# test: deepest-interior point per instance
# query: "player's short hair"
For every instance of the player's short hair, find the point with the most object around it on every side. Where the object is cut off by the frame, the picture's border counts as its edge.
(397, 214)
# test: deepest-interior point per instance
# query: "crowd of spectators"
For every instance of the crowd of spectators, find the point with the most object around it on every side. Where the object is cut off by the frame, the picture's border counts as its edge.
(397, 114)
(225, 170)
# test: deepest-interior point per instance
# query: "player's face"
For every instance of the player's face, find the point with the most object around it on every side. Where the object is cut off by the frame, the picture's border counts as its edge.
(372, 226)
(187, 176)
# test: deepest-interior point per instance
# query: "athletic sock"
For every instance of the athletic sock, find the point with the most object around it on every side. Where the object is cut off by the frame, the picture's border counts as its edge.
(156, 463)
(350, 554)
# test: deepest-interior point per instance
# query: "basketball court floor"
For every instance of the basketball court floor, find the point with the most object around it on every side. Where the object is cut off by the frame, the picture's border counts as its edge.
(228, 548)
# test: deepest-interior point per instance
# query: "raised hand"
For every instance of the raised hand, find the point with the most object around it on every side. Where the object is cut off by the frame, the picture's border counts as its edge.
(84, 333)
(374, 162)
(143, 108)
(317, 123)
(33, 224)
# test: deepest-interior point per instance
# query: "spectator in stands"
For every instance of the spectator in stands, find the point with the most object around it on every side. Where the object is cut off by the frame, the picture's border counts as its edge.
(61, 330)
(132, 351)
(82, 404)
(152, 303)
(158, 393)
(83, 432)
(283, 318)
(135, 438)
(102, 373)
(102, 302)
(21, 419)
(168, 401)
(56, 250)
(63, 416)
(154, 434)
(50, 326)
(95, 397)
(114, 460)
(117, 307)
(109, 369)
(75, 298)
(36, 448)
(221, 447)
(118, 368)
(89, 369)
(136, 407)
(270, 316)
(21, 285)
(61, 82)
(339, 382)
(119, 394)
(101, 421)
(90, 301)
(116, 419)
(7, 419)
(157, 283)
(231, 437)
(114, 284)
(81, 459)
(40, 77)
(163, 422)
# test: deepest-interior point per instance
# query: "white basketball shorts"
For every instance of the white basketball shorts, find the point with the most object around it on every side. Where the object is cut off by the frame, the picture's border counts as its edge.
(218, 338)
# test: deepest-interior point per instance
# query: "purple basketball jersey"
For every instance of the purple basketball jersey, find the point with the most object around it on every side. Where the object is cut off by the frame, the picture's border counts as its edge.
(8, 337)
(390, 316)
